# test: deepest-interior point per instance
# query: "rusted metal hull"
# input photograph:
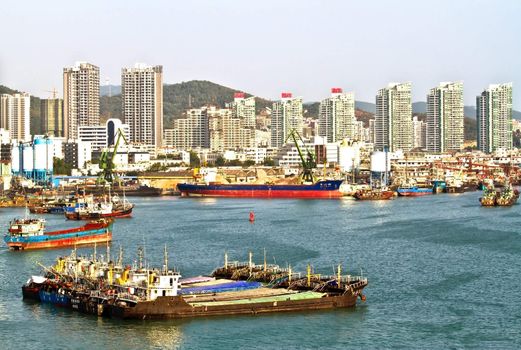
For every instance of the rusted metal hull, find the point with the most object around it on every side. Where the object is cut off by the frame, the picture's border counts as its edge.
(177, 307)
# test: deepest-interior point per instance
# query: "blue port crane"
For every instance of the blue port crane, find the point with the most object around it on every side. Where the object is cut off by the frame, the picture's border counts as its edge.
(106, 161)
(308, 162)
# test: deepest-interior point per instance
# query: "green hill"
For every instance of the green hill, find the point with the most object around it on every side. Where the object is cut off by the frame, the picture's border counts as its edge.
(177, 98)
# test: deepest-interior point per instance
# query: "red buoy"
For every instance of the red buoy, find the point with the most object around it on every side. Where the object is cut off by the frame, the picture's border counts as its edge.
(252, 216)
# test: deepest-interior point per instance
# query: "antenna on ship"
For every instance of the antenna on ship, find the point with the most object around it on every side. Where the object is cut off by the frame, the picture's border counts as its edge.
(95, 252)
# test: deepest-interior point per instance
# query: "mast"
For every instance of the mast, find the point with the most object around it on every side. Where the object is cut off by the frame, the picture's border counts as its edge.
(120, 257)
(108, 252)
(166, 260)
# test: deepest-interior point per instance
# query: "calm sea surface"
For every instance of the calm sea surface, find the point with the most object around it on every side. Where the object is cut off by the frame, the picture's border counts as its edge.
(443, 273)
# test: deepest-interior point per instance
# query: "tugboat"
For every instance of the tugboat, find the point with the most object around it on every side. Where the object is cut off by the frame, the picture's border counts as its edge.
(29, 233)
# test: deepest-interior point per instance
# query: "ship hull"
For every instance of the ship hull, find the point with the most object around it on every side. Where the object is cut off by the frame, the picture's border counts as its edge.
(319, 190)
(177, 307)
(31, 292)
(88, 234)
(54, 298)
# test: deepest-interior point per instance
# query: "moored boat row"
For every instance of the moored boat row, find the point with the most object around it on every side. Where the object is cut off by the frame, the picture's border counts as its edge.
(106, 288)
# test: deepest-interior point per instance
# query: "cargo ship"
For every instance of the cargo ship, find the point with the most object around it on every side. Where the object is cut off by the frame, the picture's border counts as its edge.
(30, 233)
(105, 288)
(317, 190)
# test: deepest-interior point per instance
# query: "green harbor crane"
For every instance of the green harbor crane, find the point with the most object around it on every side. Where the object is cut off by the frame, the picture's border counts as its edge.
(106, 161)
(308, 162)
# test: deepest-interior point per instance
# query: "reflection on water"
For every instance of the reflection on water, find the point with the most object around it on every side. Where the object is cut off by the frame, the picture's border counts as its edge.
(205, 200)
(163, 335)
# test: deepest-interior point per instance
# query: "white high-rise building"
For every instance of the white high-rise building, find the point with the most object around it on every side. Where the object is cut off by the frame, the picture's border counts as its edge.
(419, 128)
(393, 119)
(337, 116)
(286, 115)
(244, 109)
(445, 118)
(80, 98)
(494, 116)
(142, 99)
(15, 115)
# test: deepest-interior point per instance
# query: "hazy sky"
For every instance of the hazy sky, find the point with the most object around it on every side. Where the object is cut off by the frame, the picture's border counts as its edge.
(265, 47)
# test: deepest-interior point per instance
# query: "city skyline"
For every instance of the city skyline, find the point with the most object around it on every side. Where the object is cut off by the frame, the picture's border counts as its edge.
(303, 63)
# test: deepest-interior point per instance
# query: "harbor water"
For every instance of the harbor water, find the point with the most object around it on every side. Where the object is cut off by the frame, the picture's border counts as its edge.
(443, 273)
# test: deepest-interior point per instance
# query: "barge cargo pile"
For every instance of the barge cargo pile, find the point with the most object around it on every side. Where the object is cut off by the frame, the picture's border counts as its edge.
(102, 287)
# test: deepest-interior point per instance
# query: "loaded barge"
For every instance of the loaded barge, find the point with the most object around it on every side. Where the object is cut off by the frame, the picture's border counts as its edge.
(111, 290)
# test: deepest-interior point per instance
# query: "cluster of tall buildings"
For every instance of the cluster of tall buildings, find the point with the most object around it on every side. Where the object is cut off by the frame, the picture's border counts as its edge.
(142, 101)
(217, 129)
(444, 126)
(77, 116)
(393, 128)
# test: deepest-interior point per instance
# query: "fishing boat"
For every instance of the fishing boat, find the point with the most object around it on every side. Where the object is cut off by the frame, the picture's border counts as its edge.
(507, 196)
(319, 189)
(414, 191)
(489, 197)
(30, 233)
(48, 208)
(31, 288)
(88, 209)
(374, 194)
